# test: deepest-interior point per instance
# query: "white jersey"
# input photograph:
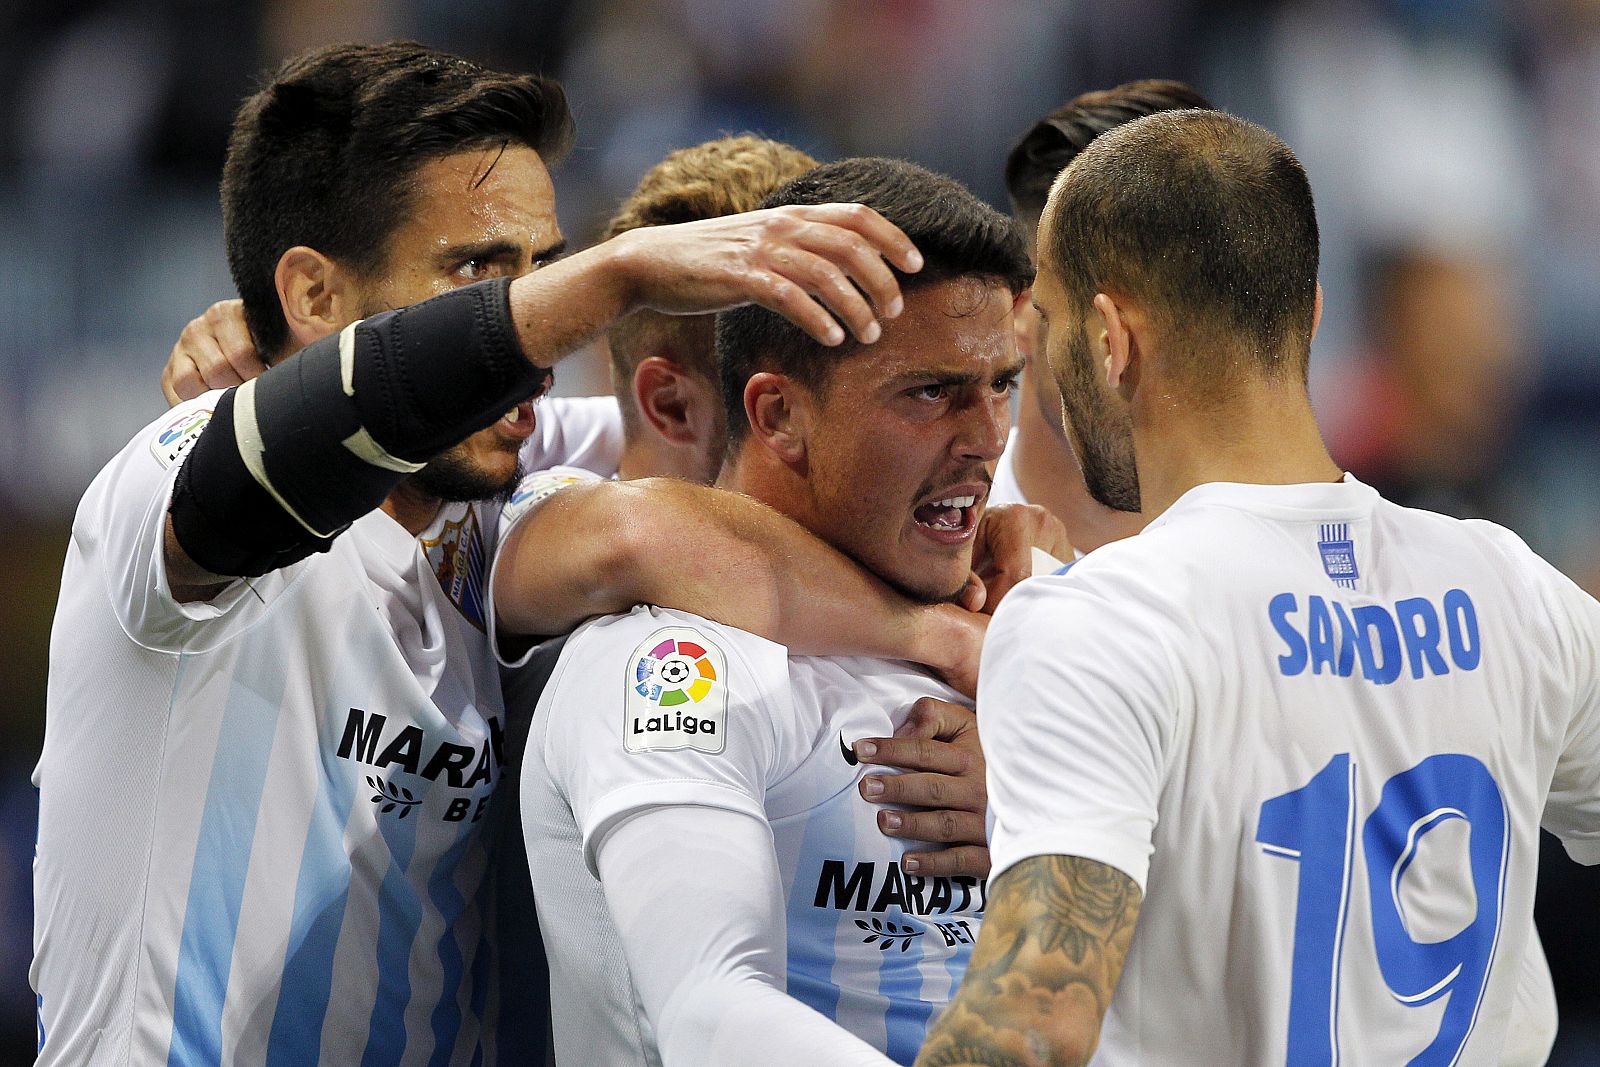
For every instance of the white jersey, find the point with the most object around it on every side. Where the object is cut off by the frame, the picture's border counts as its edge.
(1319, 730)
(660, 708)
(575, 431)
(1005, 489)
(260, 816)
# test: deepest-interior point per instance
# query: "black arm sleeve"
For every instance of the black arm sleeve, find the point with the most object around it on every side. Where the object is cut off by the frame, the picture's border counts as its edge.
(293, 457)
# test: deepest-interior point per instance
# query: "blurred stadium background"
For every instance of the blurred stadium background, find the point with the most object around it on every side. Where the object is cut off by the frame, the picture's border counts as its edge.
(1454, 147)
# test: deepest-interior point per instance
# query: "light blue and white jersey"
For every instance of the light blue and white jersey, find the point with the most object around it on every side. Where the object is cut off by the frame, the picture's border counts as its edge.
(660, 708)
(1321, 732)
(259, 834)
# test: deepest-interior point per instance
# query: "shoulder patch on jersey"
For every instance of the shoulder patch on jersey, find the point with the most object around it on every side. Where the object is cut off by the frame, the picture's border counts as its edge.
(538, 487)
(677, 694)
(178, 434)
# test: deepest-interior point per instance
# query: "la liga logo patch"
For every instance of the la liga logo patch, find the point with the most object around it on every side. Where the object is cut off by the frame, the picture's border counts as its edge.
(178, 434)
(677, 694)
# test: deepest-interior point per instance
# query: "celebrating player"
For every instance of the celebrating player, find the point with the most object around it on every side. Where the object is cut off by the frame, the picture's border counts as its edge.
(1039, 465)
(664, 374)
(274, 723)
(1277, 764)
(690, 790)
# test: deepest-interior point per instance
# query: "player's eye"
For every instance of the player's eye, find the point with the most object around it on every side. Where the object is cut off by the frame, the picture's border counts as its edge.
(475, 269)
(934, 391)
(1006, 383)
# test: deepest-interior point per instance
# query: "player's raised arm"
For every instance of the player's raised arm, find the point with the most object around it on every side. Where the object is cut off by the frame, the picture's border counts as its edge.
(293, 457)
(812, 264)
(1053, 943)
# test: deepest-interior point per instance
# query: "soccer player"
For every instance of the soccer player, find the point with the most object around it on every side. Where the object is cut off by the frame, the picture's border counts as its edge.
(1273, 770)
(274, 722)
(1039, 465)
(690, 789)
(665, 378)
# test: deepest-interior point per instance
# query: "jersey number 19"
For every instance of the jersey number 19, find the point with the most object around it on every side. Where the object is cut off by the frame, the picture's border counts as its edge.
(1315, 826)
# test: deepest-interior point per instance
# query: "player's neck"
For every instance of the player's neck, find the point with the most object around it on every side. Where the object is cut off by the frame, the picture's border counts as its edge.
(1267, 435)
(1048, 474)
(757, 473)
(650, 457)
(411, 507)
(638, 460)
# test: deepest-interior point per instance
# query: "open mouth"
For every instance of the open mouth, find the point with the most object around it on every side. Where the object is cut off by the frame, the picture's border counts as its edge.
(949, 519)
(519, 420)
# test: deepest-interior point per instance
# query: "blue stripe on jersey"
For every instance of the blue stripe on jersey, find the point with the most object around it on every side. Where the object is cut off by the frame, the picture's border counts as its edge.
(482, 960)
(813, 932)
(38, 1020)
(955, 965)
(900, 980)
(450, 902)
(399, 918)
(221, 861)
(320, 894)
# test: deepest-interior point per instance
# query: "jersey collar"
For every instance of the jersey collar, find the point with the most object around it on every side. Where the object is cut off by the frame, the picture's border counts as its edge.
(1348, 498)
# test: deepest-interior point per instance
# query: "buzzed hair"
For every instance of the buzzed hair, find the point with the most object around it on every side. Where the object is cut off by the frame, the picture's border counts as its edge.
(1055, 140)
(958, 235)
(722, 177)
(1205, 219)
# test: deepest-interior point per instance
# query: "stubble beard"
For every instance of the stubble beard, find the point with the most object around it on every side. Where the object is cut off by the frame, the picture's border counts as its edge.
(452, 477)
(1103, 436)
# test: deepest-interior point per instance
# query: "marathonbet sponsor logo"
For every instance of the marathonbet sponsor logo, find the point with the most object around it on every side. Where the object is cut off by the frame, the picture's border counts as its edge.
(370, 739)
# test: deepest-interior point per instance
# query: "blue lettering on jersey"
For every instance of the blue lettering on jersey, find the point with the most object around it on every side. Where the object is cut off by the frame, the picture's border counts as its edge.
(1333, 639)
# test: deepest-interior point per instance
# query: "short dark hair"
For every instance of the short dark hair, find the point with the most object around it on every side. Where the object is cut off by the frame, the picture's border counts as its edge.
(706, 181)
(958, 235)
(1207, 220)
(326, 154)
(1055, 140)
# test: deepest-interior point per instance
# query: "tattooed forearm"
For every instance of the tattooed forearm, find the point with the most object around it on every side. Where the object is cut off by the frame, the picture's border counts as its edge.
(1051, 949)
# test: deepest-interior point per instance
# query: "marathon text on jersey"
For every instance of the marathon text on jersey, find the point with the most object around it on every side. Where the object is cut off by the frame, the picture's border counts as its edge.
(462, 766)
(1379, 642)
(877, 887)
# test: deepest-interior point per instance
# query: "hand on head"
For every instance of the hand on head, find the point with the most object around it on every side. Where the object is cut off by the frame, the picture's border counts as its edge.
(215, 351)
(812, 264)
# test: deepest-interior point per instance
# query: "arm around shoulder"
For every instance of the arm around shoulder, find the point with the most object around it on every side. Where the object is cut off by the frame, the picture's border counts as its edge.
(602, 547)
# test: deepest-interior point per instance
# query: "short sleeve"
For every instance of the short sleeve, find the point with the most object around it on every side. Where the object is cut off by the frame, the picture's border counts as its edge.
(576, 431)
(662, 709)
(532, 491)
(120, 529)
(1077, 702)
(1572, 811)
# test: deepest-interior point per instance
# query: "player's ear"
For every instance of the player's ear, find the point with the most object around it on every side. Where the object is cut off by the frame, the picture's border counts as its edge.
(314, 293)
(1025, 323)
(663, 393)
(1114, 331)
(779, 414)
(1316, 314)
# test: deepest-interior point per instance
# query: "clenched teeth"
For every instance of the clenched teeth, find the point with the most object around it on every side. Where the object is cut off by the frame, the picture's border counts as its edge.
(954, 502)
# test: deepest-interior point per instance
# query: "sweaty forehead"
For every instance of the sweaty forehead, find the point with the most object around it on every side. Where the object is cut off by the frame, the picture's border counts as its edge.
(503, 191)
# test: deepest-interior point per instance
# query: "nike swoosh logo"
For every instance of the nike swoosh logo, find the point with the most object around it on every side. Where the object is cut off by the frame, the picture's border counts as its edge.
(849, 755)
